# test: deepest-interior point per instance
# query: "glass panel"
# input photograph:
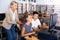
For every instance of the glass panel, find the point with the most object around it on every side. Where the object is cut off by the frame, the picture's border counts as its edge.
(24, 0)
(35, 1)
(32, 0)
(29, 0)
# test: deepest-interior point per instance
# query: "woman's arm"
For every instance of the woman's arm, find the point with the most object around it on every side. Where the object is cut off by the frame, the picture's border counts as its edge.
(17, 19)
(23, 30)
(18, 22)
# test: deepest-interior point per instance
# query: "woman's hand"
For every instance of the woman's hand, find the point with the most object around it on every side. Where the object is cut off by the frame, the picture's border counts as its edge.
(18, 22)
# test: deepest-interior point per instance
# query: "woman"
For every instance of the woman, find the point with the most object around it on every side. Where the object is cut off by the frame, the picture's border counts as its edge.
(10, 20)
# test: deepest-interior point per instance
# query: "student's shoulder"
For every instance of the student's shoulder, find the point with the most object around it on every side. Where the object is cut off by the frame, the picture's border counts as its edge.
(24, 25)
(38, 20)
(32, 20)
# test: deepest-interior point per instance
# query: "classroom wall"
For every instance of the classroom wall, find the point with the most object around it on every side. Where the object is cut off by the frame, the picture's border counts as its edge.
(4, 5)
(48, 2)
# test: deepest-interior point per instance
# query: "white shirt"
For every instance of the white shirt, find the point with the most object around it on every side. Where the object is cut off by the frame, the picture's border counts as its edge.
(13, 15)
(35, 23)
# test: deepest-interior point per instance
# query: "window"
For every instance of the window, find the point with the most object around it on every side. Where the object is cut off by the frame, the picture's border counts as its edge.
(29, 0)
(24, 0)
(19, 0)
(20, 8)
(32, 0)
(35, 1)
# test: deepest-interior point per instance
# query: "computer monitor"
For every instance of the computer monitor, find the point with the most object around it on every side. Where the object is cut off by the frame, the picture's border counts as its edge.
(52, 21)
(2, 16)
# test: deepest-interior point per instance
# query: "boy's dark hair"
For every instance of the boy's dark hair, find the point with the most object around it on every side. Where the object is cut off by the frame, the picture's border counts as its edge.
(35, 12)
(40, 15)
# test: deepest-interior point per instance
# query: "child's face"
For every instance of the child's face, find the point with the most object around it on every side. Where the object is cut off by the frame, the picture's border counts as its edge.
(35, 16)
(29, 18)
(14, 6)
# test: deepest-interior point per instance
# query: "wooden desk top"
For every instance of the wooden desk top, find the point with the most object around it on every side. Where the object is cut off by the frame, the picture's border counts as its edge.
(0, 24)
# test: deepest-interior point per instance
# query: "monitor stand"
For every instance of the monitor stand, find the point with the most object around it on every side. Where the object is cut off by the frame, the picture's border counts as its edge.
(52, 31)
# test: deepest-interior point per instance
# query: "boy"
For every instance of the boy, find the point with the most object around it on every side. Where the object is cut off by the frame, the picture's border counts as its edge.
(35, 21)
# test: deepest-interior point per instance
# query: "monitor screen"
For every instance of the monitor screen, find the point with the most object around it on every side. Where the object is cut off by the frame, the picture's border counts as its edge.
(2, 16)
(52, 21)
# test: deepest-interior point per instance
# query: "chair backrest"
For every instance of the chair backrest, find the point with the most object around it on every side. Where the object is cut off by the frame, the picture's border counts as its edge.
(52, 20)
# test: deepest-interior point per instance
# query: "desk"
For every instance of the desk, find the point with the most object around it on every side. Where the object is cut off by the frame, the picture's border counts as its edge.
(0, 23)
(44, 34)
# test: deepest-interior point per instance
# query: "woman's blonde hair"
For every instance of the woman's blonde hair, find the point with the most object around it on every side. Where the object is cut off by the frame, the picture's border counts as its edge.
(13, 3)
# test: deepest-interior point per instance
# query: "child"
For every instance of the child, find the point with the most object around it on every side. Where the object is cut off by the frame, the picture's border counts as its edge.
(26, 30)
(35, 21)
